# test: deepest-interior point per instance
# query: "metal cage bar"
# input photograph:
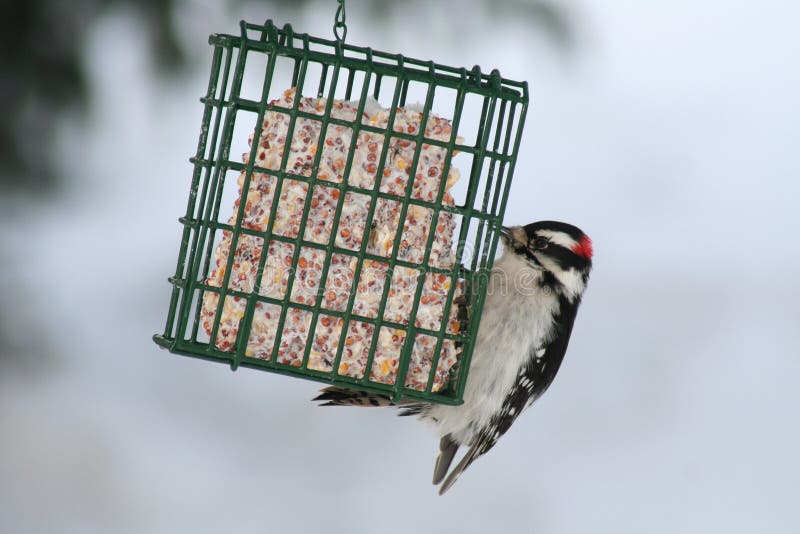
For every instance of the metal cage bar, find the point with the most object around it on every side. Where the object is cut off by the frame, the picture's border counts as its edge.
(344, 71)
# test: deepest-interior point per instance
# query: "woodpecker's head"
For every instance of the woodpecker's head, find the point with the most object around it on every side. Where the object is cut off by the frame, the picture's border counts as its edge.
(561, 251)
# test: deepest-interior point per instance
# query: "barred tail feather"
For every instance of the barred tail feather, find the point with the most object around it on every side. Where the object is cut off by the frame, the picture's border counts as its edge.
(336, 396)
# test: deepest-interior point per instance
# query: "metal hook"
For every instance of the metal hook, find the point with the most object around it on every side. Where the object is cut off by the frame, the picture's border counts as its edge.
(339, 25)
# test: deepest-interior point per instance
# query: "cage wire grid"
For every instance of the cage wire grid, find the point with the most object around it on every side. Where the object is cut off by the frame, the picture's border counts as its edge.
(361, 73)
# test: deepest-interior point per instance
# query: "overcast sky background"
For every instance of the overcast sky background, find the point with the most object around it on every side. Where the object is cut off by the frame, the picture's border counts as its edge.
(670, 135)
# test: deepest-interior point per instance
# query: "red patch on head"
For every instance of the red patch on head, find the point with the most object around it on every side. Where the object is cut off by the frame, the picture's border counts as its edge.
(584, 247)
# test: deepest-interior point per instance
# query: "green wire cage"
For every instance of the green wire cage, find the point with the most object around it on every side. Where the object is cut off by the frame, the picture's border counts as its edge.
(331, 194)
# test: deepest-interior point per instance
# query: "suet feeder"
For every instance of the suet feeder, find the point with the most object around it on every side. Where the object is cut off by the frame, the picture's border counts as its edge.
(377, 264)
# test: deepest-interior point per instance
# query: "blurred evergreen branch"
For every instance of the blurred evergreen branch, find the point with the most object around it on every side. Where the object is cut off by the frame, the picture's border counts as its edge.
(551, 17)
(43, 74)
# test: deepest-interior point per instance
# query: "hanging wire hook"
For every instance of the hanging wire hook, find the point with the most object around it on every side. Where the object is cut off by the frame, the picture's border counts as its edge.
(340, 25)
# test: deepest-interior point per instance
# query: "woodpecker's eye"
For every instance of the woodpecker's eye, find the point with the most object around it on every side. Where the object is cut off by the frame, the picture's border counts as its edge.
(540, 243)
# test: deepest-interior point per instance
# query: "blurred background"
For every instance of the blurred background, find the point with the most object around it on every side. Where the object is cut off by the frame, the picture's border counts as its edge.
(668, 131)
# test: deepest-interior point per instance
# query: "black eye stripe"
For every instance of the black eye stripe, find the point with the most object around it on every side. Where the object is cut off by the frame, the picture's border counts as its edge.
(561, 255)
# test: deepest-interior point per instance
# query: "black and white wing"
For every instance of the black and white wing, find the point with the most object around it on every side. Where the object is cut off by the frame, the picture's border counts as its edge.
(533, 380)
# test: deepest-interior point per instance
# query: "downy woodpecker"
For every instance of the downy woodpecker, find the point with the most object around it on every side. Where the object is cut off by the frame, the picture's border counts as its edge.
(535, 289)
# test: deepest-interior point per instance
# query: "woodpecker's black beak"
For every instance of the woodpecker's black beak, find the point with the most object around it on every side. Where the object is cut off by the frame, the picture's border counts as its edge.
(505, 231)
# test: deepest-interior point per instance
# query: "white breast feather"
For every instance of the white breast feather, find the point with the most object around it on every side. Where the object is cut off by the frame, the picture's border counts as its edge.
(517, 317)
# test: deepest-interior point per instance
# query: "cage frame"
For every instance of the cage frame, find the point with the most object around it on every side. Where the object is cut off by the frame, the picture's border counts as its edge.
(210, 172)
